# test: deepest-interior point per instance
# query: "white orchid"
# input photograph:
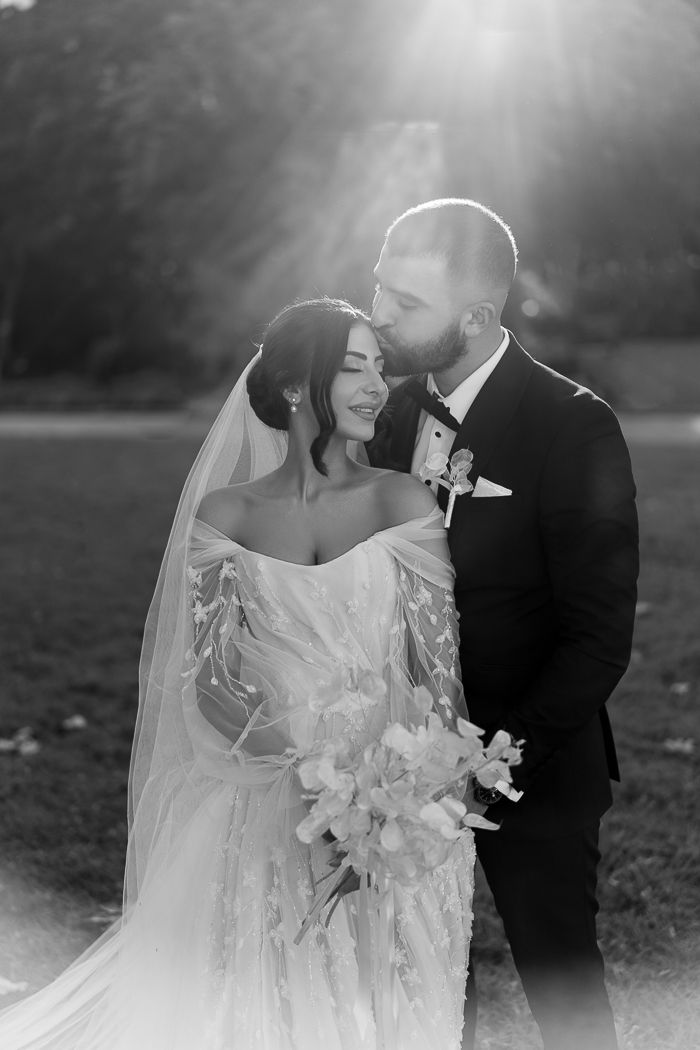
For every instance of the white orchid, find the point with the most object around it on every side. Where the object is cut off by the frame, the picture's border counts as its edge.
(499, 756)
(410, 744)
(451, 474)
(438, 815)
(434, 466)
(393, 797)
(316, 770)
(352, 821)
(390, 806)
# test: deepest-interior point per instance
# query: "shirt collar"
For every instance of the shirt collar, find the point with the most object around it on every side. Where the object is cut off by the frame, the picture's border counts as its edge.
(462, 397)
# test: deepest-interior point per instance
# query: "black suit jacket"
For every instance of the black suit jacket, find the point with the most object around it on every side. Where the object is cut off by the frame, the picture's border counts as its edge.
(546, 580)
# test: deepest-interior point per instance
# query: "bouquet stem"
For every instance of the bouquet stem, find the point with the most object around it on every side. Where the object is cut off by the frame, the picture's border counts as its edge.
(334, 883)
(450, 507)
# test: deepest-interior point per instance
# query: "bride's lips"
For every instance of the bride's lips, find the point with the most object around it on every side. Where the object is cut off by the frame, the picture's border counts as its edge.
(368, 412)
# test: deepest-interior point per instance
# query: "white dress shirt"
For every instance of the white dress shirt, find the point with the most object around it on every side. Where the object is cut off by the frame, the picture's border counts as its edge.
(432, 436)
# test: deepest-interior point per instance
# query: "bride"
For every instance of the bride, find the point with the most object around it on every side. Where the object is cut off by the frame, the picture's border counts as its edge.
(291, 570)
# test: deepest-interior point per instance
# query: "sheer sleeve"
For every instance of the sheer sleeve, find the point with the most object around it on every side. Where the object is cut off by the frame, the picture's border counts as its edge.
(428, 620)
(221, 697)
(232, 711)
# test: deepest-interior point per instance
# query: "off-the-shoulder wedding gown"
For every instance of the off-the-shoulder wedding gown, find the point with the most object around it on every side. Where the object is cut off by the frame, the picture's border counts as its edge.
(205, 960)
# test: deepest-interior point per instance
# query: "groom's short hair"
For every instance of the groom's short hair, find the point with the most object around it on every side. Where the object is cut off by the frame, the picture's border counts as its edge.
(468, 235)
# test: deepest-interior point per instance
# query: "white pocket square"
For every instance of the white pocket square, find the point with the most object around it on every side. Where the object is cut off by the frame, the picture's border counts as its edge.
(484, 487)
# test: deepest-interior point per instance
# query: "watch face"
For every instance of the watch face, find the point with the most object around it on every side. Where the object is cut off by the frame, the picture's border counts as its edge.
(487, 796)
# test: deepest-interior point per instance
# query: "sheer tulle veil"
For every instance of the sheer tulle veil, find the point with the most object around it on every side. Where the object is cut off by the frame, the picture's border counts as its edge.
(217, 883)
(238, 448)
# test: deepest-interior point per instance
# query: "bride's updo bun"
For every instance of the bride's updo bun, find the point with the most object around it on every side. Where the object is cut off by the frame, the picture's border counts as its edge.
(304, 344)
(266, 398)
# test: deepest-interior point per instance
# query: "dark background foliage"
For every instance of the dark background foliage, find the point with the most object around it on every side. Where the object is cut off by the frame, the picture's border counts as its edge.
(173, 172)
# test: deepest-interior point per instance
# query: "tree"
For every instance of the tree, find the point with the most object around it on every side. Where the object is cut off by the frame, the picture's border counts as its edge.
(68, 273)
(172, 172)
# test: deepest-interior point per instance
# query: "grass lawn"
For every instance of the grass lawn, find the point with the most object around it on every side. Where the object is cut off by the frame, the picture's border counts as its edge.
(84, 524)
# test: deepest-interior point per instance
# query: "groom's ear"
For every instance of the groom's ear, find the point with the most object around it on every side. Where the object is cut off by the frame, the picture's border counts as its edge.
(477, 317)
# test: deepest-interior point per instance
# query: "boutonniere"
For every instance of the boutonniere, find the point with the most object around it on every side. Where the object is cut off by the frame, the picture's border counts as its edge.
(451, 474)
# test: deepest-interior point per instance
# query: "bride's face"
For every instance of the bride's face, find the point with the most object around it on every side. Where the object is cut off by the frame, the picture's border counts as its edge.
(358, 392)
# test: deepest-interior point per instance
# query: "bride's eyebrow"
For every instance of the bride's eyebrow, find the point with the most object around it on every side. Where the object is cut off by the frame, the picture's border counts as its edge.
(363, 357)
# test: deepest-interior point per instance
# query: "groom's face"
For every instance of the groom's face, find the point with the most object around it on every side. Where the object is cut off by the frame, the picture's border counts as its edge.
(414, 314)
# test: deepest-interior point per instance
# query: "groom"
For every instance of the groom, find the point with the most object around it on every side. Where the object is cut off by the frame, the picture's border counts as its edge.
(545, 552)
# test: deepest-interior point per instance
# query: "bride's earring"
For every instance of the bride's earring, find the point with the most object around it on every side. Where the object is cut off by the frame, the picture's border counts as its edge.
(292, 404)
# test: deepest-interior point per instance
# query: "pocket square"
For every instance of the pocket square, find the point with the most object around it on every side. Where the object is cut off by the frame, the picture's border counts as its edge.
(484, 487)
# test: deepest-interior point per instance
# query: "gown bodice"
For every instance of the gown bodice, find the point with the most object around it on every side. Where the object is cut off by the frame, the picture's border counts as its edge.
(337, 612)
(316, 629)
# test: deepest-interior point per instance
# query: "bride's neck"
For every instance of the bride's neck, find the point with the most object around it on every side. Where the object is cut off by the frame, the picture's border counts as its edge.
(298, 473)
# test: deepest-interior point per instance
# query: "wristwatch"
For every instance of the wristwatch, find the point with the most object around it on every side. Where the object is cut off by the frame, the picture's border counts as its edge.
(490, 796)
(486, 796)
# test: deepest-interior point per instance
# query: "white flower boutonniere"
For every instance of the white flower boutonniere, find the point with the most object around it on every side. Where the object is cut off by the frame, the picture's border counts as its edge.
(451, 474)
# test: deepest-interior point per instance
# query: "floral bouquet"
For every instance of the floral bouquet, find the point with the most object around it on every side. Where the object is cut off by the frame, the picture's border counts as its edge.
(390, 807)
(451, 474)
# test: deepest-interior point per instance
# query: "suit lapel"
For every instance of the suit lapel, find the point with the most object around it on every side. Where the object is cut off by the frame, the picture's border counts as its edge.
(487, 419)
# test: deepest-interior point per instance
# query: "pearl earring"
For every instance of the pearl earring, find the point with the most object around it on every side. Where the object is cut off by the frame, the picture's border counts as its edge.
(292, 405)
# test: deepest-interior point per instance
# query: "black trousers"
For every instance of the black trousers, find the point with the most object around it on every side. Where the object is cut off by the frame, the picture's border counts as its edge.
(545, 893)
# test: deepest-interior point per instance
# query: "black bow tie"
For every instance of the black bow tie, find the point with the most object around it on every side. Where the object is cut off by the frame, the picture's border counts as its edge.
(431, 403)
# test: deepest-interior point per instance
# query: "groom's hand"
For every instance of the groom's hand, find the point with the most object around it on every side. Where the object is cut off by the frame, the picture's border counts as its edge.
(477, 807)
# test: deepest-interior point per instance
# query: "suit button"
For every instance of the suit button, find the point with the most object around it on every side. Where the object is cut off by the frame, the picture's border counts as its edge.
(438, 434)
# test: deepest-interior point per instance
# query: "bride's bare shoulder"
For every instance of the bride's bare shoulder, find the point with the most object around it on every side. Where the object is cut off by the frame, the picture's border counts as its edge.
(405, 496)
(225, 508)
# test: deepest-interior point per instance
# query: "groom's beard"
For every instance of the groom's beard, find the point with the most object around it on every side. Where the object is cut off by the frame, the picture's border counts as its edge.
(435, 355)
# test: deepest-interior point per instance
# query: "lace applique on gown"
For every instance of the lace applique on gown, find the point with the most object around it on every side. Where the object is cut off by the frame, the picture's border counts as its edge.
(206, 960)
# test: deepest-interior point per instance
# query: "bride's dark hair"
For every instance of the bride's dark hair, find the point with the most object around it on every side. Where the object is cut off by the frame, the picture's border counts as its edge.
(306, 341)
